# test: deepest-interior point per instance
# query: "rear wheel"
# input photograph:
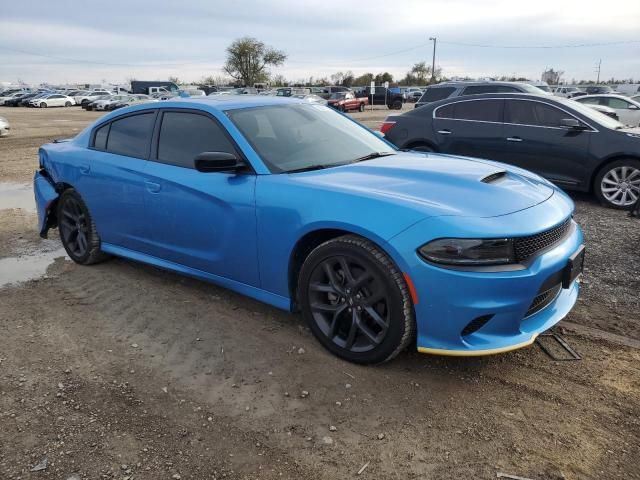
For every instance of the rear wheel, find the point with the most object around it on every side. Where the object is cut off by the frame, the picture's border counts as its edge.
(67, 104)
(356, 301)
(77, 230)
(396, 105)
(617, 185)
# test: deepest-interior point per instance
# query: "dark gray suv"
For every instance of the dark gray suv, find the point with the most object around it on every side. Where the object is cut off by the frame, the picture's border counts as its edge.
(444, 90)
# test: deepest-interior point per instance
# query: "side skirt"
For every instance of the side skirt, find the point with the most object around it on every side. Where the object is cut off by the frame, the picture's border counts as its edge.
(259, 294)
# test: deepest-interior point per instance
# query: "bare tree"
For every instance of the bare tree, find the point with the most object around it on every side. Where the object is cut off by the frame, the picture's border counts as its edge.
(248, 59)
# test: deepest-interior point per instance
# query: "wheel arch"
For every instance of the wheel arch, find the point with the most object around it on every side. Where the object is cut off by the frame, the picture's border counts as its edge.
(608, 161)
(313, 238)
(420, 141)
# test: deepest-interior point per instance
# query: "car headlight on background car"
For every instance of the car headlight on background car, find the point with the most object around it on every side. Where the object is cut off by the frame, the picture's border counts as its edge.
(469, 251)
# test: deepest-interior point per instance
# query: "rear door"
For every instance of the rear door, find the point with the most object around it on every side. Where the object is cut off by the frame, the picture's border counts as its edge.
(470, 127)
(535, 139)
(112, 182)
(205, 221)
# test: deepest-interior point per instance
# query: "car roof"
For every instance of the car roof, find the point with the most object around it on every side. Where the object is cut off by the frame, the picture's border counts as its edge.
(467, 83)
(231, 102)
(605, 95)
(481, 96)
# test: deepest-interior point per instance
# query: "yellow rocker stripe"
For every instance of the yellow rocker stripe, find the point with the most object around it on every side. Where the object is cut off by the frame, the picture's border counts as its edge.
(476, 353)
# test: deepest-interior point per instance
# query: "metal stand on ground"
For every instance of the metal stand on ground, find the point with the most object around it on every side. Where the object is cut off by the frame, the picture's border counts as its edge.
(573, 355)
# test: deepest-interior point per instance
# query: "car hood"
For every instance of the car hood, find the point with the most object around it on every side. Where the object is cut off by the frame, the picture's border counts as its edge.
(438, 184)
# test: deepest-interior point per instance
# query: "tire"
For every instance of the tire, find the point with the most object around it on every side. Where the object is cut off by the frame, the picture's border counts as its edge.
(617, 184)
(364, 315)
(396, 105)
(361, 107)
(43, 105)
(67, 104)
(74, 223)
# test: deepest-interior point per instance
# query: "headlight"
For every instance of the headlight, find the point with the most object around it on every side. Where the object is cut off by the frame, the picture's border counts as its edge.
(469, 252)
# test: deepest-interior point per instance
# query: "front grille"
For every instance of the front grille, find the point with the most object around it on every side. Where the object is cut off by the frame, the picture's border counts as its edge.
(542, 300)
(526, 247)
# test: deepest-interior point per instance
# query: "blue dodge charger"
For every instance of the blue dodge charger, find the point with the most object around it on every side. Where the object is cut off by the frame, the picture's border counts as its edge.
(297, 205)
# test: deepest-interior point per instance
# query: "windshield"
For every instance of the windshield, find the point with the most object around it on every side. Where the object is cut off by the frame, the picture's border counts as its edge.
(535, 90)
(544, 88)
(595, 115)
(298, 136)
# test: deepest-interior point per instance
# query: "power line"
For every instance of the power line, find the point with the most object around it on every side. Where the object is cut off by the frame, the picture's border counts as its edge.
(577, 45)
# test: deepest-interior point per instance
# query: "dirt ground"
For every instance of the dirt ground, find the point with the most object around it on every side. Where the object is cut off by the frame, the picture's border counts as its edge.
(123, 371)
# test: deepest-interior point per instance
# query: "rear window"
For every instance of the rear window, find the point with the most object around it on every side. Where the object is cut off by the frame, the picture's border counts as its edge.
(100, 139)
(433, 94)
(131, 136)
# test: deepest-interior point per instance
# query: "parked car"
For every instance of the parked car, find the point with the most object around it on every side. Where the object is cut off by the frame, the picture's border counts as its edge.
(327, 91)
(311, 98)
(413, 95)
(544, 86)
(89, 104)
(132, 100)
(9, 93)
(564, 141)
(635, 98)
(610, 112)
(345, 101)
(627, 109)
(104, 103)
(90, 96)
(568, 92)
(52, 100)
(4, 127)
(314, 212)
(444, 90)
(15, 100)
(599, 89)
(12, 96)
(391, 97)
(291, 91)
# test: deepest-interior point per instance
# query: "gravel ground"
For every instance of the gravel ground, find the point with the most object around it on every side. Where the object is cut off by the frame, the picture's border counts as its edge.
(122, 371)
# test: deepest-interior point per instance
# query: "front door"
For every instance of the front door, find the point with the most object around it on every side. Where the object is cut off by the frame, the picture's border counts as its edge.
(205, 221)
(535, 139)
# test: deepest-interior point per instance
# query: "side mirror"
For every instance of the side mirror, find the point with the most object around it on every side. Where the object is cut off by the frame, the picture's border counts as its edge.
(633, 107)
(217, 162)
(571, 123)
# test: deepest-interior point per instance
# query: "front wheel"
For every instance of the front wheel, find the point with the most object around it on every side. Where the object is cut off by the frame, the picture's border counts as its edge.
(43, 105)
(356, 301)
(617, 185)
(77, 229)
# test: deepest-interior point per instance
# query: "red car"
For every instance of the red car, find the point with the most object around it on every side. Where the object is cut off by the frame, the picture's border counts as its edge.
(345, 101)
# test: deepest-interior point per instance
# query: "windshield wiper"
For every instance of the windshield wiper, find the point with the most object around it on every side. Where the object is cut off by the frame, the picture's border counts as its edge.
(310, 168)
(371, 156)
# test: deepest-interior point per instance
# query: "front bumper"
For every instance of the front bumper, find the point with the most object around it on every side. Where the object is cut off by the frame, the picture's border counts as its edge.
(46, 197)
(450, 301)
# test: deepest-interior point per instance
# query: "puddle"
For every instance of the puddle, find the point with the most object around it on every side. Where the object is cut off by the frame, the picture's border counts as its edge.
(14, 195)
(21, 269)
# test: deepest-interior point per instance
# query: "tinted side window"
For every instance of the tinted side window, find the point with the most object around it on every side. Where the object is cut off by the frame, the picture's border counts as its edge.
(617, 103)
(477, 89)
(446, 111)
(185, 135)
(479, 110)
(100, 139)
(533, 113)
(131, 136)
(434, 94)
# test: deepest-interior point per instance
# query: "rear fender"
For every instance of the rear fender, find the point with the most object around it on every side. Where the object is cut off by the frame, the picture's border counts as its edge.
(46, 200)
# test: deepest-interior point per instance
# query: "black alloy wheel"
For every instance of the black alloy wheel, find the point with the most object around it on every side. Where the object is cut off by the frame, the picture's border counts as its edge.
(356, 301)
(77, 230)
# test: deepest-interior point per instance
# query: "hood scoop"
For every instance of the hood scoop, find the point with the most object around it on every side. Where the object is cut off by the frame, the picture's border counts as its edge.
(494, 177)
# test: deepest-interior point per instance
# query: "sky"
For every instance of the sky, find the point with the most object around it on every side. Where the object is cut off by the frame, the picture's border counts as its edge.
(85, 41)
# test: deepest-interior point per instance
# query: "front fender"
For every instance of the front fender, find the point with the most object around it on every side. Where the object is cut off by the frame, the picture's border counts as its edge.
(46, 197)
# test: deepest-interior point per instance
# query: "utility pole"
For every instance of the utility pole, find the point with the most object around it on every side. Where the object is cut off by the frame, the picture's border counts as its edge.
(598, 70)
(433, 62)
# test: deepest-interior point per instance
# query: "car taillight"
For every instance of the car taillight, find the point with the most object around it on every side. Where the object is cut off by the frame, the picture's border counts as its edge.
(386, 126)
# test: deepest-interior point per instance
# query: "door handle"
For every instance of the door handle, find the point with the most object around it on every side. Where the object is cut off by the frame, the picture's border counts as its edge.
(514, 139)
(85, 168)
(152, 187)
(445, 132)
